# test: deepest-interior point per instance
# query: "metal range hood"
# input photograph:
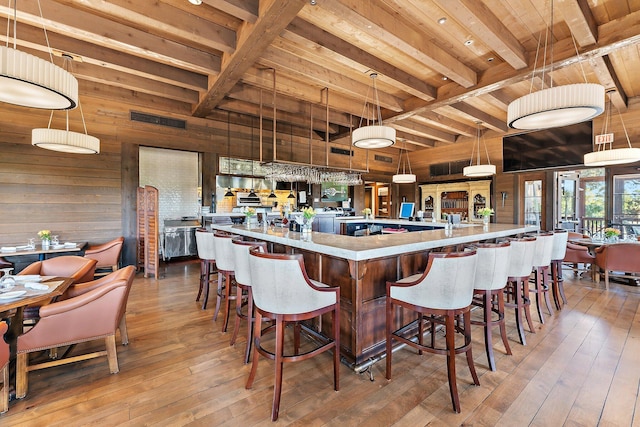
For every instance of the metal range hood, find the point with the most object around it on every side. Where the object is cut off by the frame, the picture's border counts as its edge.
(230, 181)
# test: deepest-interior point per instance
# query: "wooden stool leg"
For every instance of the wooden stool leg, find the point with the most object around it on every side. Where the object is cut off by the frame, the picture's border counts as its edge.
(451, 360)
(236, 327)
(219, 297)
(202, 272)
(466, 318)
(279, 352)
(227, 299)
(251, 320)
(488, 328)
(502, 322)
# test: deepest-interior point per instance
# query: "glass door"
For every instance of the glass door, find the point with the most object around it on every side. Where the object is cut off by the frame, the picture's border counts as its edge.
(566, 215)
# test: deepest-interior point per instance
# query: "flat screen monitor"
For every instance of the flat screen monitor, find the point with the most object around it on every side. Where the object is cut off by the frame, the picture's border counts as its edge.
(548, 148)
(406, 210)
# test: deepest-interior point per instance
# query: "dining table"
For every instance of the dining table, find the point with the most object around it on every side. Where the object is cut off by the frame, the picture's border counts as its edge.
(22, 250)
(27, 290)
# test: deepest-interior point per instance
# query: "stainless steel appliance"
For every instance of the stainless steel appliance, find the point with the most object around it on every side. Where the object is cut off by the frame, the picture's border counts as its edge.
(244, 199)
(180, 237)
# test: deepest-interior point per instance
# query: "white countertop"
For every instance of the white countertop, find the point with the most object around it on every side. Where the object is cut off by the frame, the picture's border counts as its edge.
(369, 247)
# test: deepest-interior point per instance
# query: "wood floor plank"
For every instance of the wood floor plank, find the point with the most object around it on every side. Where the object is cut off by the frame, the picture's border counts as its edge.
(579, 369)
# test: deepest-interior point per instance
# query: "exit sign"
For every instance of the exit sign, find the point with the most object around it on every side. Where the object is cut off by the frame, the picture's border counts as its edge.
(605, 138)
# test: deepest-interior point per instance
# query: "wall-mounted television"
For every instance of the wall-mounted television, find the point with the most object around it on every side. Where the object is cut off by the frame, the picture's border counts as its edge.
(406, 210)
(549, 148)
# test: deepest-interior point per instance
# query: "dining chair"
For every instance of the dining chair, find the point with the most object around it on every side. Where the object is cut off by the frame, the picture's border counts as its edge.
(225, 261)
(93, 315)
(541, 263)
(517, 289)
(283, 292)
(4, 369)
(243, 289)
(439, 296)
(79, 269)
(489, 283)
(207, 254)
(623, 258)
(127, 273)
(107, 256)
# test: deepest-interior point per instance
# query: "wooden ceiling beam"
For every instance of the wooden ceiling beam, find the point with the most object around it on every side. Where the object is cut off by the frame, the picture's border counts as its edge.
(580, 21)
(246, 10)
(331, 43)
(253, 39)
(487, 27)
(478, 115)
(445, 123)
(162, 20)
(412, 127)
(322, 76)
(102, 32)
(370, 18)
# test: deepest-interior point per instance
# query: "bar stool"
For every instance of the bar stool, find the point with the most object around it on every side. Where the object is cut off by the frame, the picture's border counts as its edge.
(490, 280)
(225, 261)
(282, 291)
(558, 252)
(442, 294)
(519, 270)
(243, 289)
(541, 263)
(207, 255)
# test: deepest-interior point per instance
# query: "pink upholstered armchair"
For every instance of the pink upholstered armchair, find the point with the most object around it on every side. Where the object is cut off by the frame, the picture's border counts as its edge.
(619, 257)
(78, 268)
(90, 316)
(107, 255)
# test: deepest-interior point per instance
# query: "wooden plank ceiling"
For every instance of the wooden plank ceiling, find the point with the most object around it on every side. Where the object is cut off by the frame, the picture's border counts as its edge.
(442, 65)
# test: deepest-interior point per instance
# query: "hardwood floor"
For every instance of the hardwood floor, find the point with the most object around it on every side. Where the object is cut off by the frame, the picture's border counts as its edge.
(580, 368)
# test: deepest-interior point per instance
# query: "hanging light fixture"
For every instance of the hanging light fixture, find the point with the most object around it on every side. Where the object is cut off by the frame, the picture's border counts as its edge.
(66, 141)
(404, 177)
(556, 106)
(29, 81)
(375, 135)
(479, 169)
(229, 193)
(605, 154)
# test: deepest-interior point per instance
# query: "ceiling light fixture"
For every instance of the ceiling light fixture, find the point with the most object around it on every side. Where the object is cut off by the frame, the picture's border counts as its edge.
(375, 135)
(229, 193)
(555, 106)
(605, 154)
(66, 141)
(196, 2)
(442, 20)
(479, 169)
(404, 177)
(29, 81)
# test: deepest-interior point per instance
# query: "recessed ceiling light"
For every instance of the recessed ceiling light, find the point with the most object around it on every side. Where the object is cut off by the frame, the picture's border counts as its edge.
(468, 42)
(313, 2)
(196, 2)
(442, 20)
(445, 78)
(490, 59)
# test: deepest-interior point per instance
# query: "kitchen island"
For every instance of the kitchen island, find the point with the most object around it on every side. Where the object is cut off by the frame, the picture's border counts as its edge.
(361, 266)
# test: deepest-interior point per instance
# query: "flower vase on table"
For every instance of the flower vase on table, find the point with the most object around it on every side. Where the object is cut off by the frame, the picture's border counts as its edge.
(307, 219)
(46, 243)
(45, 237)
(611, 235)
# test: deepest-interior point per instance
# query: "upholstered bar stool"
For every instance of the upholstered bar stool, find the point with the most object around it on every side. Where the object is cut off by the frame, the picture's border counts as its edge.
(490, 280)
(207, 255)
(283, 292)
(243, 287)
(558, 252)
(225, 261)
(440, 295)
(541, 263)
(519, 271)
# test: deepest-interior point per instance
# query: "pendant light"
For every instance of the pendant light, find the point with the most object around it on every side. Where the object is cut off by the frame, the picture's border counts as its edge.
(556, 106)
(479, 169)
(229, 193)
(65, 140)
(604, 153)
(404, 177)
(252, 193)
(375, 135)
(29, 81)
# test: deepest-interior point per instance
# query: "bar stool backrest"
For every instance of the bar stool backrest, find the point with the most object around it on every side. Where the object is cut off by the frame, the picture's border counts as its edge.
(446, 284)
(204, 243)
(544, 247)
(521, 261)
(224, 252)
(493, 265)
(241, 254)
(280, 285)
(560, 238)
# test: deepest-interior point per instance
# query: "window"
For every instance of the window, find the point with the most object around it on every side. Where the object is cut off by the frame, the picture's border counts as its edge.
(626, 203)
(533, 202)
